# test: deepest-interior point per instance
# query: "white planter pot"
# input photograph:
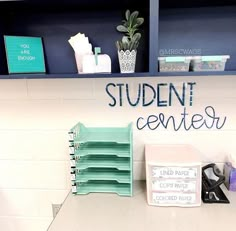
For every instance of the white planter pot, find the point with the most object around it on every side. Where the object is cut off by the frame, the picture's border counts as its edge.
(127, 60)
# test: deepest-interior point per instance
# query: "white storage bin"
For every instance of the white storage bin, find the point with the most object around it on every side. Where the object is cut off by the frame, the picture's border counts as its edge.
(174, 64)
(173, 175)
(209, 63)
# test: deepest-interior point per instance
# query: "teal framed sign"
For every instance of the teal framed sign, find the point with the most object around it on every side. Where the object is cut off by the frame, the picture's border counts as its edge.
(24, 54)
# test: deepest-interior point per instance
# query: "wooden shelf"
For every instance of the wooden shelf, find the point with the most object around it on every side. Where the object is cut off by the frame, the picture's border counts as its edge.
(117, 75)
(66, 76)
(203, 73)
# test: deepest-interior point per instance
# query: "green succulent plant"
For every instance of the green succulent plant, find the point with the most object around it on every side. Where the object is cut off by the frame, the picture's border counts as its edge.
(130, 27)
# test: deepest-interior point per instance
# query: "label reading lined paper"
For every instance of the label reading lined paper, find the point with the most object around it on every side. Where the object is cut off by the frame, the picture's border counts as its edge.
(174, 172)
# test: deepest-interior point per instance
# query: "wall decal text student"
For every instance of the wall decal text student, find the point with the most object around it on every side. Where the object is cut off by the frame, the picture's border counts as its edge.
(145, 89)
(151, 95)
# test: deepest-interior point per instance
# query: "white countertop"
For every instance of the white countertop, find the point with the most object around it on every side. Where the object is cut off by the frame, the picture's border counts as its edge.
(110, 212)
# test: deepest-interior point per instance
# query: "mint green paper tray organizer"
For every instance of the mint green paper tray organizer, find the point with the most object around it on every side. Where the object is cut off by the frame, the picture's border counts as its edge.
(101, 159)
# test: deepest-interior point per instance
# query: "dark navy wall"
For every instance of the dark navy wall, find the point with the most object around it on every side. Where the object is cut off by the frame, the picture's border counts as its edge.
(3, 30)
(89, 4)
(196, 24)
(213, 30)
(57, 24)
(194, 3)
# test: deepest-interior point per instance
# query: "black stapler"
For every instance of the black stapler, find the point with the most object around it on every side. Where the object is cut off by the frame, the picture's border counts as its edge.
(211, 181)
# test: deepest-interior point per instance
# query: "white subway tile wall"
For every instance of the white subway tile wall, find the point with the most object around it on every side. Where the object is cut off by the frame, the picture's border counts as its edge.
(36, 115)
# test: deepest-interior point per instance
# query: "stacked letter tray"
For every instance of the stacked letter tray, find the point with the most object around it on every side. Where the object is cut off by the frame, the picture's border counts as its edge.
(101, 159)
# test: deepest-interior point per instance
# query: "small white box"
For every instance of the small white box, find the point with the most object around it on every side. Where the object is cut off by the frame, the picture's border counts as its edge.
(174, 64)
(209, 63)
(103, 65)
(173, 175)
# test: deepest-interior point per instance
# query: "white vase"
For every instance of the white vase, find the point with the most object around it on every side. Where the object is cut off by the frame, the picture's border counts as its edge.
(127, 60)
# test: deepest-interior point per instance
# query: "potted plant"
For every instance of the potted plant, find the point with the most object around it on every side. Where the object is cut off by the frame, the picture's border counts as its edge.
(127, 47)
